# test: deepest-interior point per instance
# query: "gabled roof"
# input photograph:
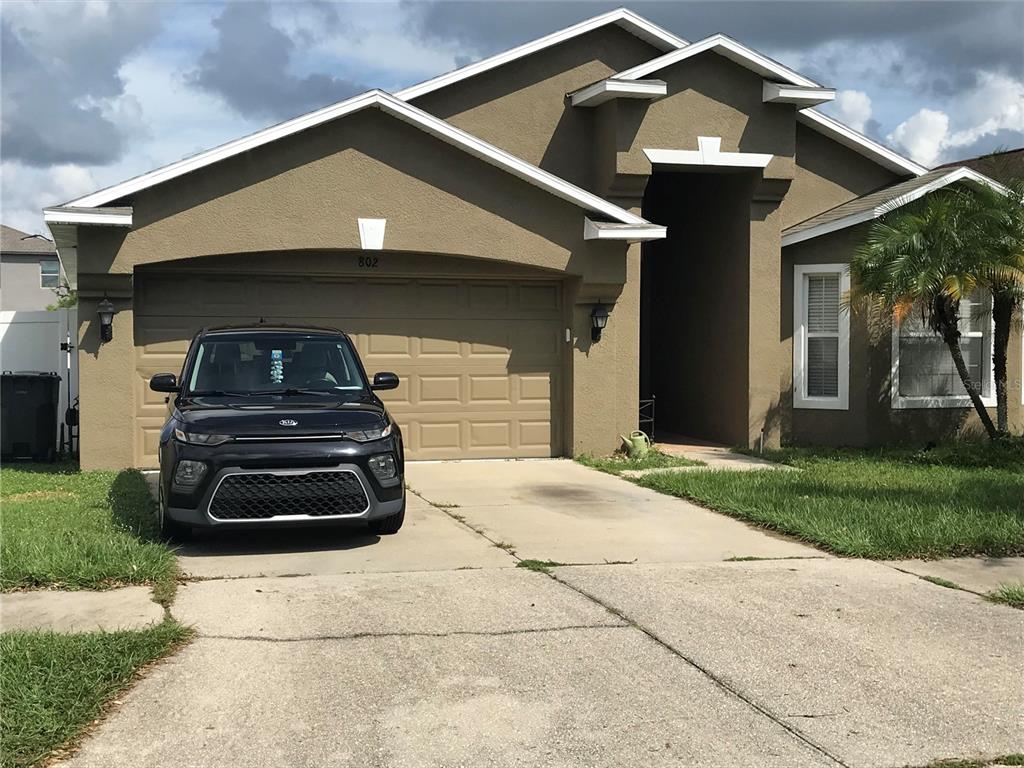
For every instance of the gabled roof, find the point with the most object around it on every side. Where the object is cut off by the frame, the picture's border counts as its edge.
(15, 241)
(392, 106)
(873, 205)
(724, 46)
(637, 25)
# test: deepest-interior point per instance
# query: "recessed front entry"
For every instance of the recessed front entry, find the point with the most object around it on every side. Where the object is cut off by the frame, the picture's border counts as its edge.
(479, 360)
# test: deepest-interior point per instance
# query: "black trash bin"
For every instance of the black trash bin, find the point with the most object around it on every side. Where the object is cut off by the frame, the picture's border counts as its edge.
(28, 430)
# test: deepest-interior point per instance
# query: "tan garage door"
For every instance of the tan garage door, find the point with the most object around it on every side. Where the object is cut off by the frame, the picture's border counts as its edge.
(479, 360)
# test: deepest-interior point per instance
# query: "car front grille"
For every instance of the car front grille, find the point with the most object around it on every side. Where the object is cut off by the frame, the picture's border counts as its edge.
(266, 495)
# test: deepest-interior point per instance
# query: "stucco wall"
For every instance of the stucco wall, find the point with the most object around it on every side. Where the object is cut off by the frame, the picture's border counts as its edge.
(521, 106)
(870, 420)
(826, 175)
(305, 194)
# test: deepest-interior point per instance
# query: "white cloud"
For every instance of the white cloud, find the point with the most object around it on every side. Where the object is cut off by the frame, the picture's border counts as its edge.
(25, 191)
(923, 135)
(854, 108)
(996, 104)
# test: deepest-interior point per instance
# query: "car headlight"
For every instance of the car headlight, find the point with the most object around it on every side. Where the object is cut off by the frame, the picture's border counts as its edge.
(366, 435)
(200, 439)
(189, 473)
(382, 466)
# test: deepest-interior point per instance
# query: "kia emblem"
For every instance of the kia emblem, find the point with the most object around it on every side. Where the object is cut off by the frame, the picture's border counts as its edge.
(288, 423)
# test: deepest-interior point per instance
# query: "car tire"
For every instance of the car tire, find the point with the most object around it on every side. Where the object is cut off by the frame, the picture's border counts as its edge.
(386, 526)
(170, 530)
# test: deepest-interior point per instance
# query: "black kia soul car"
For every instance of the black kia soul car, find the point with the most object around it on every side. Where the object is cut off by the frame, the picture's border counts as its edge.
(277, 426)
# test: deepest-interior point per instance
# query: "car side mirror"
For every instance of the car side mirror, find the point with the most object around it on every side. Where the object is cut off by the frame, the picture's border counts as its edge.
(384, 380)
(164, 382)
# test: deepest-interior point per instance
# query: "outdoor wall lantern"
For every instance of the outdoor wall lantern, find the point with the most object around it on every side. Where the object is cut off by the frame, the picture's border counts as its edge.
(106, 312)
(598, 320)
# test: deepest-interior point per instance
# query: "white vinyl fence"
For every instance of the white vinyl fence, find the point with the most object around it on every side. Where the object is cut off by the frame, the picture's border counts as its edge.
(30, 341)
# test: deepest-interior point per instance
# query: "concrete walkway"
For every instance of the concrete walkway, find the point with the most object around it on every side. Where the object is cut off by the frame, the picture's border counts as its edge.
(429, 649)
(80, 610)
(714, 456)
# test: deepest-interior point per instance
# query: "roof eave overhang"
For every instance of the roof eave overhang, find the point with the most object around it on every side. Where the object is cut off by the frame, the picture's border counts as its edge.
(801, 95)
(96, 216)
(606, 90)
(632, 233)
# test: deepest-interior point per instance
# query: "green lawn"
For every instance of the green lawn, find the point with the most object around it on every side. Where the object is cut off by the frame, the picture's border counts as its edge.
(959, 500)
(54, 685)
(617, 464)
(79, 530)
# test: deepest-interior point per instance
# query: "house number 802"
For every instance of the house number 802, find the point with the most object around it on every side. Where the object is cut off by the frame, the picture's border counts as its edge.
(369, 262)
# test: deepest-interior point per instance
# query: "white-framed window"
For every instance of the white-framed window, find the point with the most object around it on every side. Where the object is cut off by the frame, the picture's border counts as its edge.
(49, 273)
(821, 336)
(923, 374)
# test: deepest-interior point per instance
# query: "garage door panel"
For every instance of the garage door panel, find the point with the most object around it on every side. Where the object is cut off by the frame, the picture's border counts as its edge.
(478, 361)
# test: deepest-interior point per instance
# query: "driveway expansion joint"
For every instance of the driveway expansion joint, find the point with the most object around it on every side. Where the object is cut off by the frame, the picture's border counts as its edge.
(383, 635)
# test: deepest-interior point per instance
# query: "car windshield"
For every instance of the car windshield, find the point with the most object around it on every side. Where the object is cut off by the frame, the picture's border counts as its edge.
(274, 363)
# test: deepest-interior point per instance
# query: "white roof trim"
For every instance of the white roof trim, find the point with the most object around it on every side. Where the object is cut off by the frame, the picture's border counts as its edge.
(396, 108)
(860, 143)
(724, 46)
(634, 233)
(708, 153)
(631, 22)
(110, 217)
(956, 174)
(609, 89)
(802, 95)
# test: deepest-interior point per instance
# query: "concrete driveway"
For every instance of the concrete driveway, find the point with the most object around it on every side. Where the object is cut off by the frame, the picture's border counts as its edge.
(430, 648)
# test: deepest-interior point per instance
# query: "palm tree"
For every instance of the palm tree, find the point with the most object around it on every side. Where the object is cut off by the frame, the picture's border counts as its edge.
(918, 258)
(995, 221)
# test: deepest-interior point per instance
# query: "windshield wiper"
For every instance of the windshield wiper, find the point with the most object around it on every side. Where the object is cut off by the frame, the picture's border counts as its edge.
(296, 391)
(218, 393)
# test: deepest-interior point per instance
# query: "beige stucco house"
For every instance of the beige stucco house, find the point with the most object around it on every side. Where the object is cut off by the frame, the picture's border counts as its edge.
(464, 230)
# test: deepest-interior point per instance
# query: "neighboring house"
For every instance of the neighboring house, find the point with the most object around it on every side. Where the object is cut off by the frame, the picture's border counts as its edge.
(465, 231)
(29, 271)
(1002, 166)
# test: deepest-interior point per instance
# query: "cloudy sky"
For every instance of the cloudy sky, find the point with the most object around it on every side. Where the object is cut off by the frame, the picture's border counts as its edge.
(95, 92)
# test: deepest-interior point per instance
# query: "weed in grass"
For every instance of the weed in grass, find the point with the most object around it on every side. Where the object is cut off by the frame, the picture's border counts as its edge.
(53, 685)
(80, 530)
(1015, 759)
(1012, 595)
(540, 566)
(617, 464)
(939, 581)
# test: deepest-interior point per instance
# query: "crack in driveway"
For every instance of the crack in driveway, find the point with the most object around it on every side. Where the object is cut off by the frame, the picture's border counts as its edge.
(453, 633)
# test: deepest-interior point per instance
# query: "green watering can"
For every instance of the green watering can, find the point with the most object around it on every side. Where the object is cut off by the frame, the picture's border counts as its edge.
(637, 445)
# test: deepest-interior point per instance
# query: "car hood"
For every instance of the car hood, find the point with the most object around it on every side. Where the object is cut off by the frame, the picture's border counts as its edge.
(287, 417)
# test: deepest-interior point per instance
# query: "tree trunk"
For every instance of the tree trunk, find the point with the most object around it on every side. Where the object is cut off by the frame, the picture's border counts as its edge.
(1002, 314)
(953, 342)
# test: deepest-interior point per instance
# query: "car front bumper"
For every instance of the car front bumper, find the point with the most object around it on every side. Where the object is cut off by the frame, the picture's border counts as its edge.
(289, 462)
